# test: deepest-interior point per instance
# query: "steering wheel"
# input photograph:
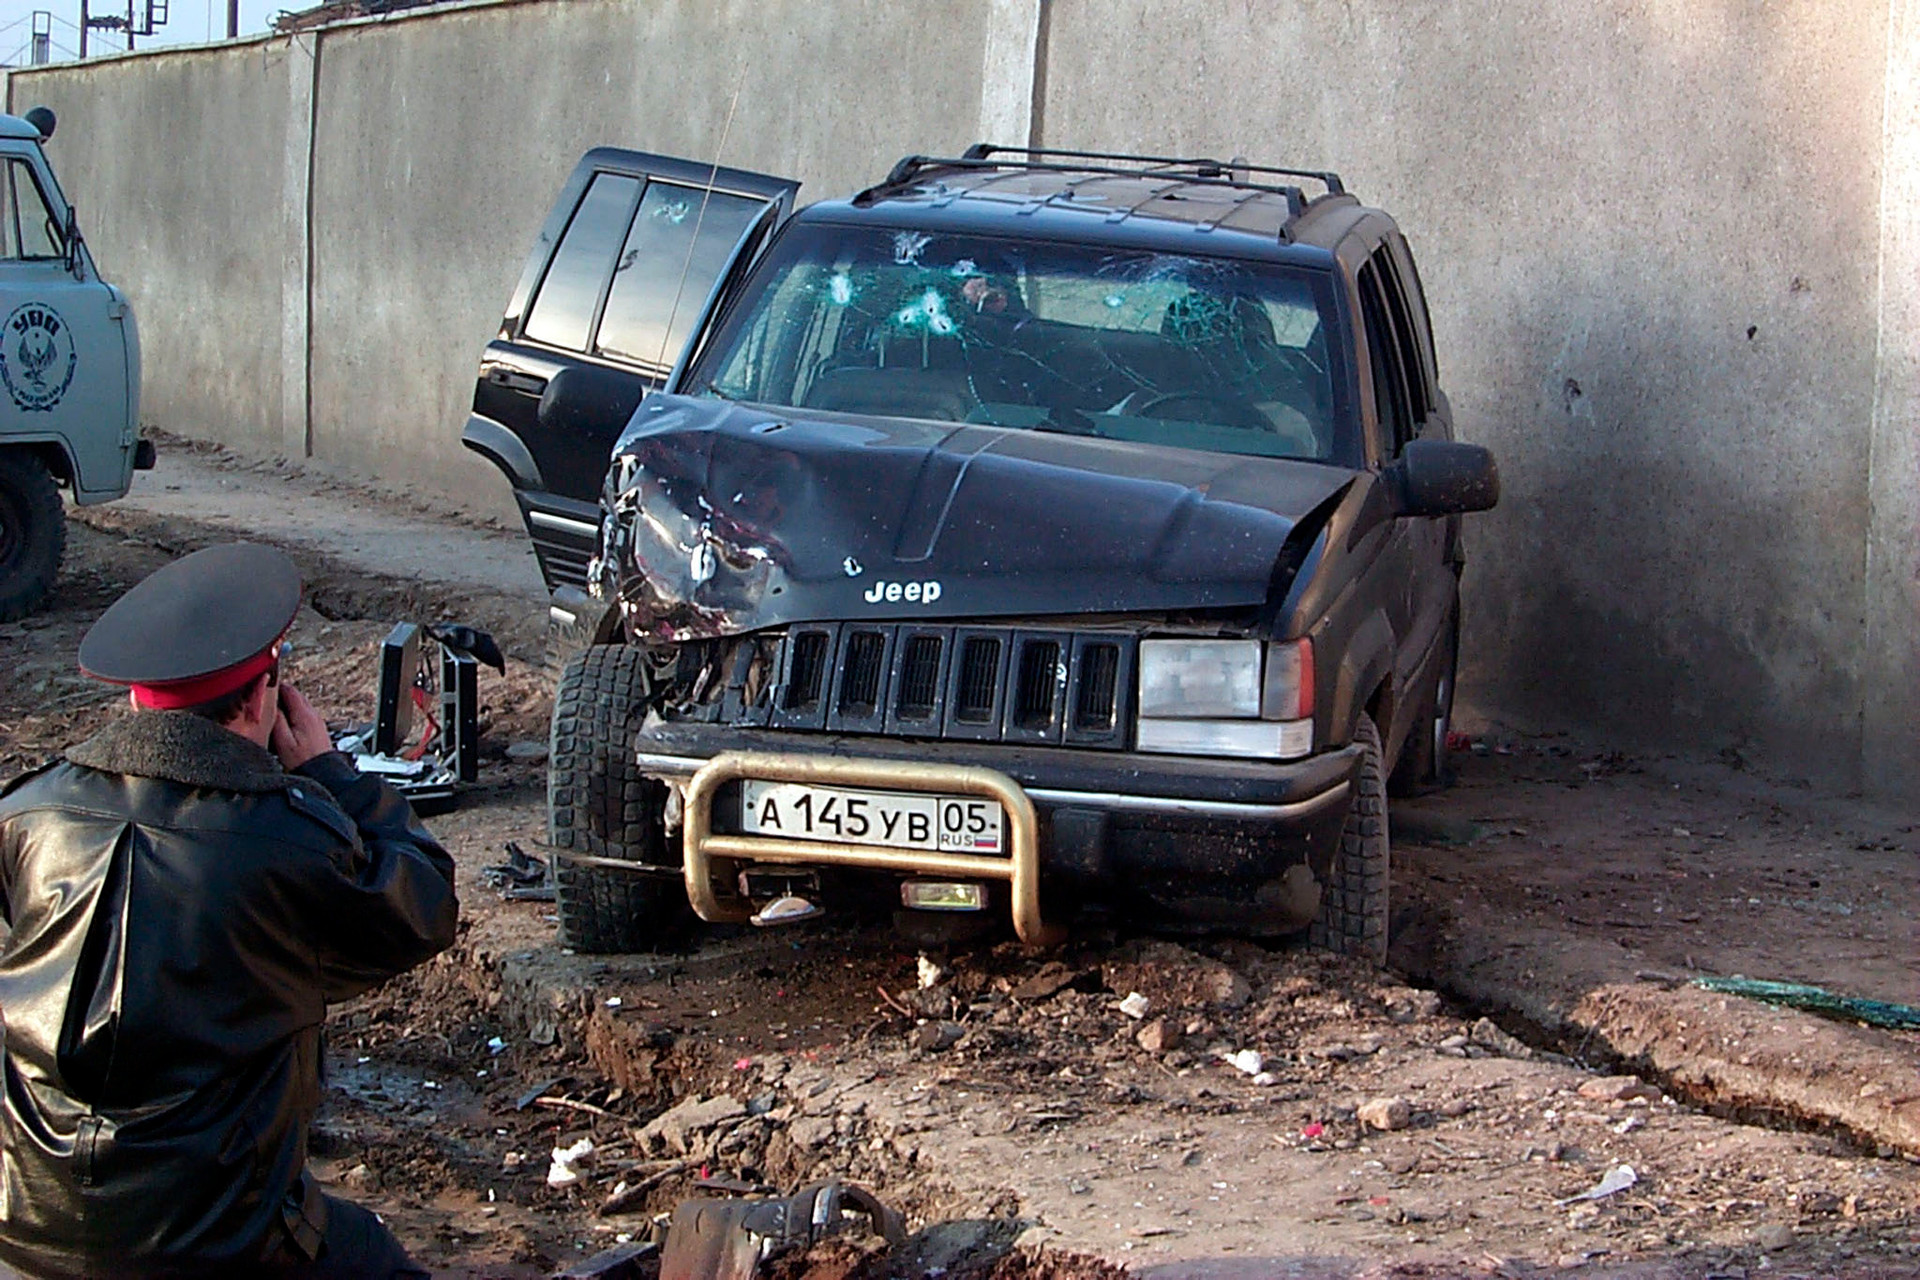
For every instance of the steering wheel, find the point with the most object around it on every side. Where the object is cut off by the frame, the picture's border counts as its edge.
(1218, 409)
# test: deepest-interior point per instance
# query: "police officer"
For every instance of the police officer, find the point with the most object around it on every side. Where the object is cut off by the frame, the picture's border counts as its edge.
(187, 890)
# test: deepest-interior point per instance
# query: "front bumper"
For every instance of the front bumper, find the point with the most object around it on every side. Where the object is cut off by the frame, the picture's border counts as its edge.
(1223, 842)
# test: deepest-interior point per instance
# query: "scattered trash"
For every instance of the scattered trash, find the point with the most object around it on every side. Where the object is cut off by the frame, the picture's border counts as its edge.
(522, 877)
(561, 1172)
(1052, 978)
(1618, 1179)
(496, 1046)
(1135, 1006)
(930, 973)
(936, 1036)
(1879, 1013)
(788, 909)
(1245, 1060)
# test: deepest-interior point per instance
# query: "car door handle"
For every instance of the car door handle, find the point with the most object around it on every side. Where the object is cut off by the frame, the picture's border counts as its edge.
(512, 381)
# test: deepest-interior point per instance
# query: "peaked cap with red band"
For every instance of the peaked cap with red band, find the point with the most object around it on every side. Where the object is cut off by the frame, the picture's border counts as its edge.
(198, 628)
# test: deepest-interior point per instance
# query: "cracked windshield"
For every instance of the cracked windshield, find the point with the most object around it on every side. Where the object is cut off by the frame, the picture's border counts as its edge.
(1153, 348)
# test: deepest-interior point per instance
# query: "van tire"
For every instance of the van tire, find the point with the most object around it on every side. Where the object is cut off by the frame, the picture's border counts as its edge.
(601, 805)
(33, 533)
(1354, 899)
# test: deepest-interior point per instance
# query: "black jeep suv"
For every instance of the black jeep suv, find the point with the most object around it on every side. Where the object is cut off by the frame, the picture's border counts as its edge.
(1034, 531)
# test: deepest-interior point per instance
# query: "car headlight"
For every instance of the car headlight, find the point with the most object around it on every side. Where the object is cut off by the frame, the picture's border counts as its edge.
(1200, 678)
(1226, 697)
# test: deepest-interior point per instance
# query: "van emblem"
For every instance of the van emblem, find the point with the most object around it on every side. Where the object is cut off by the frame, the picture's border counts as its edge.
(895, 592)
(36, 356)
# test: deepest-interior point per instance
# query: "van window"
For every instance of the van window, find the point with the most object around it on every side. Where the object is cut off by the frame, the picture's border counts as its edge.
(31, 231)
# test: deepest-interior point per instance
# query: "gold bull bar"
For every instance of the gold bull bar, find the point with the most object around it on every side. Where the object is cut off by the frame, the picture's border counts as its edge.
(1020, 867)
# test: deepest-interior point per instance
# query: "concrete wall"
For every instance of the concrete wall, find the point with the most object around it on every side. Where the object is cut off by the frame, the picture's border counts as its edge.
(175, 161)
(480, 114)
(1671, 249)
(1651, 236)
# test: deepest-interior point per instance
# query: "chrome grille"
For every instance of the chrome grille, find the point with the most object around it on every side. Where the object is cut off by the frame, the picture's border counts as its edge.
(973, 683)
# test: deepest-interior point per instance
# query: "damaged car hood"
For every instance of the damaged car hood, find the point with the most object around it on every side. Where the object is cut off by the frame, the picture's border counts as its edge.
(732, 517)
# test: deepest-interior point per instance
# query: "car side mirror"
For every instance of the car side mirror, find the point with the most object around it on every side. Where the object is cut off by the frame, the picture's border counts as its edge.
(589, 401)
(71, 238)
(1444, 478)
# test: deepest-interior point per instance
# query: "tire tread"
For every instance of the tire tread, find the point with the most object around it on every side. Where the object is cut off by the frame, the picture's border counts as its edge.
(1354, 901)
(599, 803)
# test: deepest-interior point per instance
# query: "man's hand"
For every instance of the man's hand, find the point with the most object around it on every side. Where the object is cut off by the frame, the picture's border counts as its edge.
(299, 734)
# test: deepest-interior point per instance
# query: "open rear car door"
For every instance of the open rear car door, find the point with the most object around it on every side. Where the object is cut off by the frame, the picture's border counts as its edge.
(636, 254)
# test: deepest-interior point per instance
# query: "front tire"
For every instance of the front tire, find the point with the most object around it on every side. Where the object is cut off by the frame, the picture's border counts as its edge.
(1354, 899)
(33, 533)
(599, 804)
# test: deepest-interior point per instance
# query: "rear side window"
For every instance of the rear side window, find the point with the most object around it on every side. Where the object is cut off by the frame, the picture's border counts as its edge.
(1391, 396)
(562, 314)
(30, 230)
(682, 239)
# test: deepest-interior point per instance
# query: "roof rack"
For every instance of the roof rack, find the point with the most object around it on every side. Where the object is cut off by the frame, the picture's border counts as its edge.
(1199, 171)
(1202, 167)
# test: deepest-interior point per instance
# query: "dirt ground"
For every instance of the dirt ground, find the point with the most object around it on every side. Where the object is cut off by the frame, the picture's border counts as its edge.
(1388, 1128)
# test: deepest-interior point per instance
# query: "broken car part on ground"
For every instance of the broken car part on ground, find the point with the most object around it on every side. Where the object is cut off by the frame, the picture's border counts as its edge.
(1042, 531)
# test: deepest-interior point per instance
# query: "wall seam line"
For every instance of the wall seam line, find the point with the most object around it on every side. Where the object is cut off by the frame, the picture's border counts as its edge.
(306, 236)
(1868, 631)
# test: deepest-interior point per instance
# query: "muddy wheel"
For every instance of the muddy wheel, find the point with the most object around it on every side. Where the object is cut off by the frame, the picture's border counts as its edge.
(1422, 767)
(598, 804)
(33, 533)
(1353, 903)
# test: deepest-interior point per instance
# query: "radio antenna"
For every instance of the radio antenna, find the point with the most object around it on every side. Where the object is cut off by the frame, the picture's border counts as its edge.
(713, 176)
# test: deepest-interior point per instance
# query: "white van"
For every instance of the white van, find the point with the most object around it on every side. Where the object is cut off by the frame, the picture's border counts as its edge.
(69, 370)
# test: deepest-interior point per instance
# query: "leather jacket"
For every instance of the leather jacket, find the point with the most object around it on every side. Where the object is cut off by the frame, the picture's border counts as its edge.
(182, 911)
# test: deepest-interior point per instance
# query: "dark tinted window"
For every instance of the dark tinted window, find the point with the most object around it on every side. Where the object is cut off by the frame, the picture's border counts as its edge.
(682, 239)
(1384, 355)
(562, 314)
(1406, 336)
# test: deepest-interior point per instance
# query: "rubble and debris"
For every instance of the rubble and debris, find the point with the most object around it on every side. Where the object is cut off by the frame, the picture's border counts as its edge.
(729, 1239)
(676, 1128)
(1385, 1114)
(1618, 1089)
(1135, 1006)
(1158, 1036)
(1486, 1034)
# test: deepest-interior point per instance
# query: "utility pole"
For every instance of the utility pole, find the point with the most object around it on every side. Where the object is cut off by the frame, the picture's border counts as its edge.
(42, 38)
(129, 26)
(85, 22)
(233, 19)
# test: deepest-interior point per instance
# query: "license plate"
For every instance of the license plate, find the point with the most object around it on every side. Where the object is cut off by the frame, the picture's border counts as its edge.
(892, 819)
